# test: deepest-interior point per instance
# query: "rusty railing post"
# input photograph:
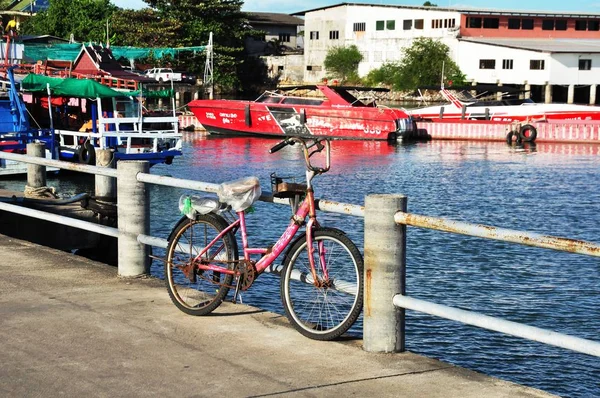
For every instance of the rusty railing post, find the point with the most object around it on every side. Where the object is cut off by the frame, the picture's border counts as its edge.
(385, 274)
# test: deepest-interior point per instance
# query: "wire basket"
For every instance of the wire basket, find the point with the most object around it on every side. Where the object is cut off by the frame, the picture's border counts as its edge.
(286, 187)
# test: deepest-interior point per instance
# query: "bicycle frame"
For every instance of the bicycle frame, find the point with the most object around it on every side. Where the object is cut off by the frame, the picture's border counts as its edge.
(307, 208)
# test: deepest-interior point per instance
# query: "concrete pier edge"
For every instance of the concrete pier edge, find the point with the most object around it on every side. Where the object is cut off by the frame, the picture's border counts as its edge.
(70, 326)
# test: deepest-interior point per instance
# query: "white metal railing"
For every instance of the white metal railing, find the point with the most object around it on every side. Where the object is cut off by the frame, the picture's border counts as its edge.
(395, 218)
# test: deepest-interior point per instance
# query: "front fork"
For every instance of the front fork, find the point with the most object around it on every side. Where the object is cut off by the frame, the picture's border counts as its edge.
(320, 246)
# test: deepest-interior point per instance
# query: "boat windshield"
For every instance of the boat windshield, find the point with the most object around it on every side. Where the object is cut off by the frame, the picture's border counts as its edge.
(269, 99)
(302, 101)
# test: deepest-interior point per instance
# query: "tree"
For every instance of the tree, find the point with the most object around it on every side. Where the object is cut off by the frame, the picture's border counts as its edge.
(343, 62)
(143, 28)
(421, 65)
(429, 4)
(199, 18)
(84, 19)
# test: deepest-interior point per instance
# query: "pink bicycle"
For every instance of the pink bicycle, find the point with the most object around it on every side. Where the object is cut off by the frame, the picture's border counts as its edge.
(321, 278)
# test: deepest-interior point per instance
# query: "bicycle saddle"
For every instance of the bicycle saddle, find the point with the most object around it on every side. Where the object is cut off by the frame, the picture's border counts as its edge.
(240, 194)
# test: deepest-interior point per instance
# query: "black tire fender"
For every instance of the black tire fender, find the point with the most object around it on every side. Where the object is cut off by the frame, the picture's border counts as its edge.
(513, 135)
(527, 133)
(87, 154)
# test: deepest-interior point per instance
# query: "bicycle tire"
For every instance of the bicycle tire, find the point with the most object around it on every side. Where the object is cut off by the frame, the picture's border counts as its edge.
(330, 311)
(204, 294)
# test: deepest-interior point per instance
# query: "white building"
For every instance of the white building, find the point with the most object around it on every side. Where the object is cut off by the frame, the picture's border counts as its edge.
(553, 54)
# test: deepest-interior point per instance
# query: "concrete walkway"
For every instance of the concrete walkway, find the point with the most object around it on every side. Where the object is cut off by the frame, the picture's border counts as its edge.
(70, 327)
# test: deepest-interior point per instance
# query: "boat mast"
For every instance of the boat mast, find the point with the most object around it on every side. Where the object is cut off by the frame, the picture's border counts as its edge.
(208, 69)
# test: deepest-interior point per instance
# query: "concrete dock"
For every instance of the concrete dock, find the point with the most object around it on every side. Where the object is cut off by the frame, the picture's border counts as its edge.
(70, 327)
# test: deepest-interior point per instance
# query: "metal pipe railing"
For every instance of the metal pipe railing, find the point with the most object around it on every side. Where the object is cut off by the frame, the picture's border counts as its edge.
(500, 234)
(500, 325)
(389, 251)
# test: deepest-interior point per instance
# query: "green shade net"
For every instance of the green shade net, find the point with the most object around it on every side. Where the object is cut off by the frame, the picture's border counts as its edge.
(158, 93)
(69, 52)
(75, 88)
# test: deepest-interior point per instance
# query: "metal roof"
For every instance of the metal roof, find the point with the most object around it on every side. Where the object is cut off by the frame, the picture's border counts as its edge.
(542, 45)
(468, 11)
(271, 18)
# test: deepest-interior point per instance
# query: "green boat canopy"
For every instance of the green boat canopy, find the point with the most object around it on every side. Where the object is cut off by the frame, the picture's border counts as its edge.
(69, 87)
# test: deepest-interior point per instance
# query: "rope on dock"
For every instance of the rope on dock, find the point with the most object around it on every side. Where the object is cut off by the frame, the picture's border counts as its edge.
(41, 192)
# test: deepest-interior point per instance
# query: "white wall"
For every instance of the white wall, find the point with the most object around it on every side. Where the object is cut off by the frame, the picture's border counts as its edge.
(468, 56)
(377, 46)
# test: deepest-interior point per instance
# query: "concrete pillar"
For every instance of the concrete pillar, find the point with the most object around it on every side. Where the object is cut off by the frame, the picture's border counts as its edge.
(106, 187)
(177, 99)
(195, 94)
(160, 103)
(571, 94)
(385, 274)
(527, 93)
(593, 94)
(133, 218)
(548, 95)
(36, 175)
(499, 93)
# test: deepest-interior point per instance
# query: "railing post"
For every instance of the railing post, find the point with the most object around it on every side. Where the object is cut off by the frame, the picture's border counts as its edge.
(133, 218)
(106, 187)
(385, 273)
(36, 175)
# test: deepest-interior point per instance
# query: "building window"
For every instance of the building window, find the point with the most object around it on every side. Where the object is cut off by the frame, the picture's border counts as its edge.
(419, 23)
(487, 64)
(284, 37)
(314, 35)
(334, 35)
(580, 25)
(379, 25)
(280, 68)
(491, 23)
(407, 24)
(548, 24)
(453, 23)
(390, 25)
(527, 24)
(536, 64)
(560, 24)
(594, 25)
(365, 56)
(377, 56)
(474, 22)
(507, 64)
(359, 27)
(514, 23)
(585, 64)
(309, 67)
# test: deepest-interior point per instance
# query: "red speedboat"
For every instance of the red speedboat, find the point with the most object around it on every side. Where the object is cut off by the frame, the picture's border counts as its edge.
(333, 112)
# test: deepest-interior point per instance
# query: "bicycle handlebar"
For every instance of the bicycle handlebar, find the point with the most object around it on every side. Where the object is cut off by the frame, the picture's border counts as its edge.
(307, 154)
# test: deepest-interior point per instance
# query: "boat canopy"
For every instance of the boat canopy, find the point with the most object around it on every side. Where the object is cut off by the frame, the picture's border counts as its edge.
(70, 87)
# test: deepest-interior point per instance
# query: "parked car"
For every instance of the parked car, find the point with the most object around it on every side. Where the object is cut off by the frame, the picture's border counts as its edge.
(187, 77)
(163, 74)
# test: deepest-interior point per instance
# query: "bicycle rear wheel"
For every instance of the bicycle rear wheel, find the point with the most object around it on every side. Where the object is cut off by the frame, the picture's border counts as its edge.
(323, 312)
(194, 291)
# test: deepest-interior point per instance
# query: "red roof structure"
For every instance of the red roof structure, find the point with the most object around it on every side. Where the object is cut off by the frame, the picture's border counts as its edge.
(98, 61)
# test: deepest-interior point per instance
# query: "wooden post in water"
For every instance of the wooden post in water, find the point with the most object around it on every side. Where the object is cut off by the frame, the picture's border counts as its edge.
(36, 174)
(385, 274)
(133, 218)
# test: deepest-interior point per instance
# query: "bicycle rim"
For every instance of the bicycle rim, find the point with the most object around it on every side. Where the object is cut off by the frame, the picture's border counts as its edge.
(193, 291)
(323, 313)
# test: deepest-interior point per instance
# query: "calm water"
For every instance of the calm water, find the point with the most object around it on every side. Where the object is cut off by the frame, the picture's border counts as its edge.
(549, 189)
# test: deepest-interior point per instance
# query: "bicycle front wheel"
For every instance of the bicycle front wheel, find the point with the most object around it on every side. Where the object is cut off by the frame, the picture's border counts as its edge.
(327, 309)
(193, 290)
